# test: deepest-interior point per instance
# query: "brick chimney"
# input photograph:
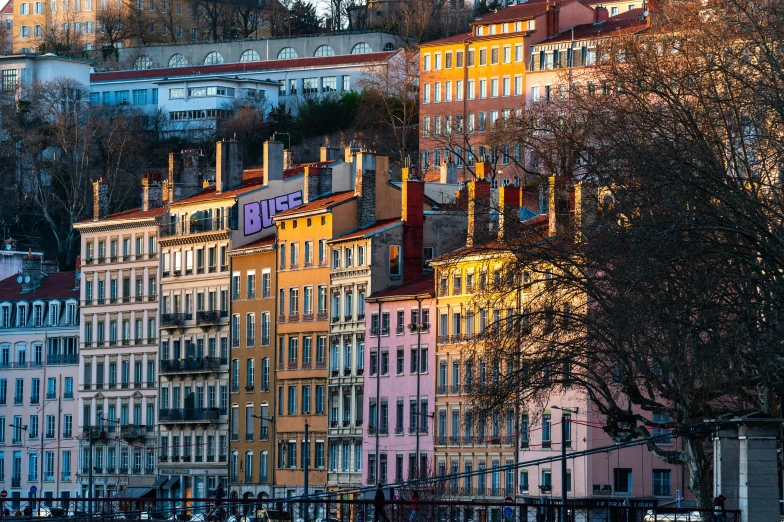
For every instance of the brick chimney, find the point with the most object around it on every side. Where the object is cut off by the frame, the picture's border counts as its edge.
(448, 173)
(478, 212)
(601, 14)
(228, 166)
(288, 159)
(560, 216)
(100, 199)
(186, 174)
(318, 182)
(365, 187)
(31, 272)
(412, 214)
(508, 212)
(586, 199)
(483, 170)
(273, 161)
(329, 154)
(152, 192)
(553, 16)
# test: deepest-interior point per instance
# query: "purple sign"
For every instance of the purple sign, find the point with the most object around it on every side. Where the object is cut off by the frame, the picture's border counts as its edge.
(258, 216)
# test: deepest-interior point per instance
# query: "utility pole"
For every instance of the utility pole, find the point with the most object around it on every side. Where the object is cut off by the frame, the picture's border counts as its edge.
(306, 459)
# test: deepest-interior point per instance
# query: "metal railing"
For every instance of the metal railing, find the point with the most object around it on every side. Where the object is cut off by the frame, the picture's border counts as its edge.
(177, 319)
(190, 365)
(175, 415)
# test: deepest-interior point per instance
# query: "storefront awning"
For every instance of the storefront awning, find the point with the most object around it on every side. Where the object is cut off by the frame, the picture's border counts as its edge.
(172, 482)
(160, 482)
(133, 492)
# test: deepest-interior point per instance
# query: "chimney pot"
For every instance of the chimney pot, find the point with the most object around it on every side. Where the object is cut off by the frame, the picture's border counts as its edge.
(273, 161)
(478, 212)
(100, 199)
(152, 191)
(228, 166)
(413, 227)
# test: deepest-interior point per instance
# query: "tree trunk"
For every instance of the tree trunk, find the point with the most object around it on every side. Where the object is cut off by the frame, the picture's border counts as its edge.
(700, 471)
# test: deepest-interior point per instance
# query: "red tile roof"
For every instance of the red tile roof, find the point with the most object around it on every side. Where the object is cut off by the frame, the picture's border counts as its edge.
(615, 26)
(60, 285)
(233, 68)
(421, 285)
(209, 193)
(134, 213)
(322, 203)
(265, 241)
(370, 229)
(525, 11)
(8, 9)
(288, 173)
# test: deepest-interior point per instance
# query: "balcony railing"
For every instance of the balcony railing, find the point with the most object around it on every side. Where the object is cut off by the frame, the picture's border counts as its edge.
(62, 359)
(133, 431)
(210, 317)
(16, 482)
(207, 364)
(66, 475)
(191, 415)
(177, 319)
(195, 226)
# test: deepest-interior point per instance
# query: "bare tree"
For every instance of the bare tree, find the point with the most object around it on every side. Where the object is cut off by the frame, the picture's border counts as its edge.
(61, 37)
(391, 95)
(652, 287)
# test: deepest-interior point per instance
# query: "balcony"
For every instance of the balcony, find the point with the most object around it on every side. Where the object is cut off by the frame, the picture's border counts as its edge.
(32, 477)
(133, 431)
(50, 396)
(208, 318)
(174, 320)
(16, 482)
(441, 440)
(206, 365)
(62, 359)
(65, 476)
(195, 226)
(188, 415)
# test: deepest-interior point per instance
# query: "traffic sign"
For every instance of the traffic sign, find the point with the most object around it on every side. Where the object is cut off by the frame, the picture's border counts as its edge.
(509, 500)
(33, 489)
(3, 494)
(508, 512)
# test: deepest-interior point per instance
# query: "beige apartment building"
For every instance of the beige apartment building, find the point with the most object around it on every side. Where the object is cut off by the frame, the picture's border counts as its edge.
(119, 332)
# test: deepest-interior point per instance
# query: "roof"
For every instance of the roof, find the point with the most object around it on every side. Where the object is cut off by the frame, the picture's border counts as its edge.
(233, 68)
(134, 213)
(61, 285)
(253, 245)
(208, 193)
(289, 172)
(8, 9)
(321, 203)
(526, 11)
(449, 39)
(628, 22)
(368, 230)
(421, 285)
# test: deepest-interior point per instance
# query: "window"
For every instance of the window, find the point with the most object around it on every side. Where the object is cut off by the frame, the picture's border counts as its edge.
(329, 84)
(250, 56)
(661, 482)
(361, 48)
(395, 260)
(310, 85)
(324, 50)
(622, 478)
(213, 58)
(287, 53)
(178, 60)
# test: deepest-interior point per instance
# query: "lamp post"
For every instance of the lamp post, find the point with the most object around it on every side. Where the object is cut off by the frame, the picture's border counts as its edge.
(564, 517)
(272, 420)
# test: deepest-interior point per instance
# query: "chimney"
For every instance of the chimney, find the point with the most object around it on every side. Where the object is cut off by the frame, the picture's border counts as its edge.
(273, 161)
(484, 170)
(409, 173)
(508, 212)
(152, 192)
(10, 243)
(318, 182)
(365, 188)
(601, 14)
(185, 174)
(228, 166)
(560, 207)
(413, 227)
(100, 199)
(448, 172)
(553, 15)
(31, 272)
(352, 149)
(288, 159)
(329, 154)
(478, 212)
(586, 199)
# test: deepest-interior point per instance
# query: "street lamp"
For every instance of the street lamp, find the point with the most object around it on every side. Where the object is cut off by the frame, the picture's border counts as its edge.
(272, 420)
(564, 517)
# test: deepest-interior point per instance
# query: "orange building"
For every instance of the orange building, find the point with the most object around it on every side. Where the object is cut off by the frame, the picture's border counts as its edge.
(471, 82)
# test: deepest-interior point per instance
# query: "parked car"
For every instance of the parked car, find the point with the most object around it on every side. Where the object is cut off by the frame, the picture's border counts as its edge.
(683, 516)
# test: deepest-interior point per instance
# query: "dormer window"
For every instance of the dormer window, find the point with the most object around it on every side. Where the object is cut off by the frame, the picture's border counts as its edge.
(479, 30)
(54, 314)
(5, 316)
(22, 315)
(38, 314)
(70, 314)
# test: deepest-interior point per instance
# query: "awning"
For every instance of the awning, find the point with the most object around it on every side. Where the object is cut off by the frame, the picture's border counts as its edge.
(171, 482)
(133, 492)
(160, 482)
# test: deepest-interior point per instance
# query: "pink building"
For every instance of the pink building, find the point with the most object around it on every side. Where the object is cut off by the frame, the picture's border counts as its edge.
(400, 382)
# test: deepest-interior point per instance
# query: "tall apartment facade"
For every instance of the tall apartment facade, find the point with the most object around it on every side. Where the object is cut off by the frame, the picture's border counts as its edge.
(39, 331)
(200, 229)
(473, 81)
(118, 367)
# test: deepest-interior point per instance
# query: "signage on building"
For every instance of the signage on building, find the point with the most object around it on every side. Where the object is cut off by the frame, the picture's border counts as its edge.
(258, 215)
(602, 489)
(175, 471)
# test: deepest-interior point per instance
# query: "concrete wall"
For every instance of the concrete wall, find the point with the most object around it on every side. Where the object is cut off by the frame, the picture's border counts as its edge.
(268, 49)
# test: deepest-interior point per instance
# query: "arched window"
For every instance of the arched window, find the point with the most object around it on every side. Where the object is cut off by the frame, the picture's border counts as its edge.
(178, 60)
(142, 62)
(324, 50)
(361, 48)
(389, 47)
(287, 53)
(250, 56)
(213, 58)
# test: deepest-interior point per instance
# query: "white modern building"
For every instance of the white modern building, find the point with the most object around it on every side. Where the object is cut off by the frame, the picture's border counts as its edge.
(22, 70)
(193, 98)
(39, 362)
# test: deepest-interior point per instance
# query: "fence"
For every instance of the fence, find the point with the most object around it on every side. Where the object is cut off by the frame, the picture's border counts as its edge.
(120, 509)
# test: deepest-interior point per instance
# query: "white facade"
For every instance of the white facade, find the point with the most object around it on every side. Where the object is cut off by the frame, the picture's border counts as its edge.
(39, 332)
(23, 70)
